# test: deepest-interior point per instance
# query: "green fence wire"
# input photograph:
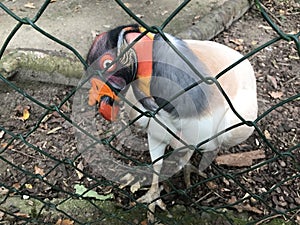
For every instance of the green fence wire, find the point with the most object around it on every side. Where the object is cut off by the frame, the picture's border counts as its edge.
(58, 204)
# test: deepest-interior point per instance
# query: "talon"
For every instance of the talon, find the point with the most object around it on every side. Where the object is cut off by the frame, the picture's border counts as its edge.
(188, 169)
(152, 194)
(135, 187)
(149, 199)
(128, 179)
(152, 205)
(161, 204)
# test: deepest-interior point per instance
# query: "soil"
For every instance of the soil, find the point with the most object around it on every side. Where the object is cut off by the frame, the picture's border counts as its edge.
(52, 151)
(61, 19)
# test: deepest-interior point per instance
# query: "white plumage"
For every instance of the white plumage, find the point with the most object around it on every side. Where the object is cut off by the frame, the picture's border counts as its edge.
(213, 113)
(238, 83)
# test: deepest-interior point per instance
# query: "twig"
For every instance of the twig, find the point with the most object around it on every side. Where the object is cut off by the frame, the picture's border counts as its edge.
(203, 197)
(268, 219)
(296, 213)
(292, 79)
(23, 153)
(271, 14)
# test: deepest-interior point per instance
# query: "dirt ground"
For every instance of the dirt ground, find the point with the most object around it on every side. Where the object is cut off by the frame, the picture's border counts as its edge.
(63, 18)
(277, 70)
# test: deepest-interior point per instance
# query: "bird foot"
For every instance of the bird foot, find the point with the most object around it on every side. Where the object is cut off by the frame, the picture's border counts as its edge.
(188, 169)
(152, 198)
(126, 180)
(130, 180)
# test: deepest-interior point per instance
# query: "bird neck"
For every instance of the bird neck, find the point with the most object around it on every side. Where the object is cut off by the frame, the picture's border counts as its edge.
(143, 49)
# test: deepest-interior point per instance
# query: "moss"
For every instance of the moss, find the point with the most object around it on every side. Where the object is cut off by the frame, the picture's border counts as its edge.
(107, 212)
(47, 62)
(278, 222)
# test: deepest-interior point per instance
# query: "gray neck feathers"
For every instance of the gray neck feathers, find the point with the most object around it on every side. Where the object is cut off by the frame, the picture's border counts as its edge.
(172, 76)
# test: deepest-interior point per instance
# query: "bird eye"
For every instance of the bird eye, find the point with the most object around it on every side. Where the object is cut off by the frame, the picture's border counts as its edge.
(105, 62)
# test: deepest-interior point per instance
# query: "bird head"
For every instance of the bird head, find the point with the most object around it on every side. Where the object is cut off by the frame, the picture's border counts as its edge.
(118, 68)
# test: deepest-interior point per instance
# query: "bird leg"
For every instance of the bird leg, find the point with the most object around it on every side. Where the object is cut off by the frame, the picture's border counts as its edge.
(158, 139)
(206, 160)
(187, 170)
(153, 194)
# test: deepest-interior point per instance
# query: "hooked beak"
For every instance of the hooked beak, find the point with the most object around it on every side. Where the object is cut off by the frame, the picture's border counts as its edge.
(102, 94)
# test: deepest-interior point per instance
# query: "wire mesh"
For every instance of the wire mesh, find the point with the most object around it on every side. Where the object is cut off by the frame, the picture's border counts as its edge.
(51, 202)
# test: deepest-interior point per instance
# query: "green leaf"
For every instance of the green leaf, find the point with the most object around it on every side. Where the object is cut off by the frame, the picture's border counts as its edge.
(83, 191)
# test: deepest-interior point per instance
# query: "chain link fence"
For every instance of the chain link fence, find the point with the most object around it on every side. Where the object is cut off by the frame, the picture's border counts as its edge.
(32, 196)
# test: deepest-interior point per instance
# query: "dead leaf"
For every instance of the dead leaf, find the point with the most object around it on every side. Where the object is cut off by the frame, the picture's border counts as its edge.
(2, 214)
(254, 42)
(65, 107)
(80, 167)
(265, 27)
(248, 208)
(22, 112)
(16, 185)
(272, 80)
(293, 57)
(144, 222)
(128, 5)
(239, 48)
(2, 132)
(274, 63)
(139, 15)
(232, 200)
(26, 114)
(64, 222)
(3, 191)
(23, 215)
(164, 12)
(25, 197)
(29, 5)
(4, 145)
(267, 134)
(54, 130)
(28, 186)
(38, 170)
(196, 18)
(276, 94)
(244, 207)
(282, 12)
(212, 185)
(237, 41)
(240, 159)
(46, 118)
